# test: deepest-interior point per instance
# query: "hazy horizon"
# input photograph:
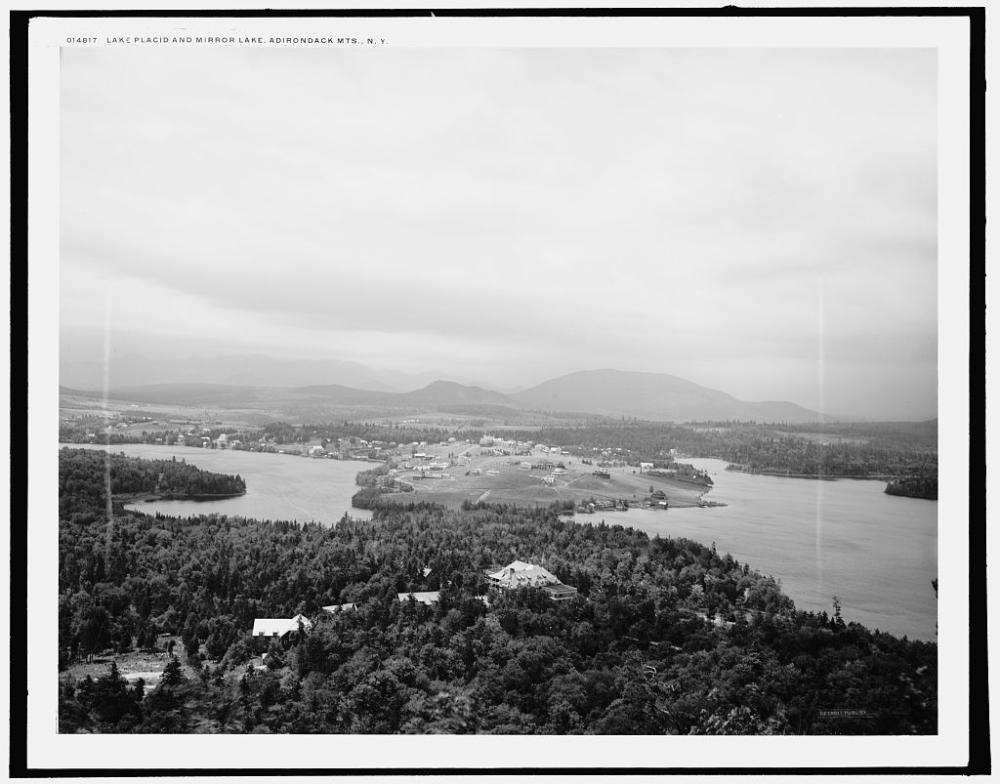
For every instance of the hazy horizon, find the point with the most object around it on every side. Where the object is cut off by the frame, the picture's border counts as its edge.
(762, 222)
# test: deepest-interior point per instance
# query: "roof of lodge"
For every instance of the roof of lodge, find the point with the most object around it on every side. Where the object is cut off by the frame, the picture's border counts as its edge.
(520, 573)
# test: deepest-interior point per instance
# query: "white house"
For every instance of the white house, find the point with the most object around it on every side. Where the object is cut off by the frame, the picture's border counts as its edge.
(424, 597)
(266, 629)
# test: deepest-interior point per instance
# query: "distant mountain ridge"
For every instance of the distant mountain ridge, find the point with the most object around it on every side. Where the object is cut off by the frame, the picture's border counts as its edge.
(452, 393)
(611, 393)
(655, 396)
(246, 370)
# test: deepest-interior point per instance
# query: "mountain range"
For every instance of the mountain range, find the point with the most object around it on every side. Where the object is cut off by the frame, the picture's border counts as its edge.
(611, 393)
(245, 370)
(655, 396)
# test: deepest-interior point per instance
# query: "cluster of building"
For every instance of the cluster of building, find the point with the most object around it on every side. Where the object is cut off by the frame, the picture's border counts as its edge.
(334, 449)
(657, 499)
(421, 597)
(420, 461)
(491, 445)
(603, 505)
(517, 574)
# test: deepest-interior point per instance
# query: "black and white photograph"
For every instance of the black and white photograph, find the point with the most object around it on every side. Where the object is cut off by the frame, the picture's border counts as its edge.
(470, 376)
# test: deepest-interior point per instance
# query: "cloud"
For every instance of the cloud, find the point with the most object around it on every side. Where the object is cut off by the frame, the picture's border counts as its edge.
(499, 207)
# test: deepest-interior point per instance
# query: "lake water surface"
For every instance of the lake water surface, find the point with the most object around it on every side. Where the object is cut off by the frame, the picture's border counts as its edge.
(877, 553)
(279, 487)
(845, 538)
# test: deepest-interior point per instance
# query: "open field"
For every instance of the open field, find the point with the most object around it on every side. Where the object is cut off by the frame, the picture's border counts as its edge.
(148, 665)
(537, 478)
(163, 417)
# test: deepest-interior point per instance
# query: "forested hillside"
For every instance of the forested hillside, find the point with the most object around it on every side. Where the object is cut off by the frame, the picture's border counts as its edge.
(86, 474)
(667, 635)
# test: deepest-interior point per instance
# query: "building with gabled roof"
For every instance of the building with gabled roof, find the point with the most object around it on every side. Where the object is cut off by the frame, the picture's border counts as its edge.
(521, 574)
(281, 629)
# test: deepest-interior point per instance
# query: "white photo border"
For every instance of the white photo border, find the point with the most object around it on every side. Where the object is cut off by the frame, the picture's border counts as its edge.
(47, 749)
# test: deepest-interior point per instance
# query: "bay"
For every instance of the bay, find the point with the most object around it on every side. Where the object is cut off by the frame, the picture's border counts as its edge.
(279, 487)
(846, 538)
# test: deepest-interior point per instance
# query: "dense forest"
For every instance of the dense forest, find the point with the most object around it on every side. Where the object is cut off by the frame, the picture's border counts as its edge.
(804, 457)
(920, 436)
(666, 636)
(86, 476)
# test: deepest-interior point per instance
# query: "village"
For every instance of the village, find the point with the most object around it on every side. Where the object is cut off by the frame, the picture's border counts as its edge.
(501, 470)
(485, 466)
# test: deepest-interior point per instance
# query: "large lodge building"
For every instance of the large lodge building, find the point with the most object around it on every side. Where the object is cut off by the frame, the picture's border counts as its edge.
(519, 574)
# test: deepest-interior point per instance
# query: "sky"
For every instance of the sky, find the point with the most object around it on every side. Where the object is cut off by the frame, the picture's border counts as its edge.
(762, 222)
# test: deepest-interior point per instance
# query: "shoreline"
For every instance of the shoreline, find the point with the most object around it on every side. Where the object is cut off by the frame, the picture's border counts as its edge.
(148, 498)
(823, 477)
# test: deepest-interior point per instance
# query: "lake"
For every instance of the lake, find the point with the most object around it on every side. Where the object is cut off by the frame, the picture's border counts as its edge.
(279, 487)
(877, 553)
(845, 538)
